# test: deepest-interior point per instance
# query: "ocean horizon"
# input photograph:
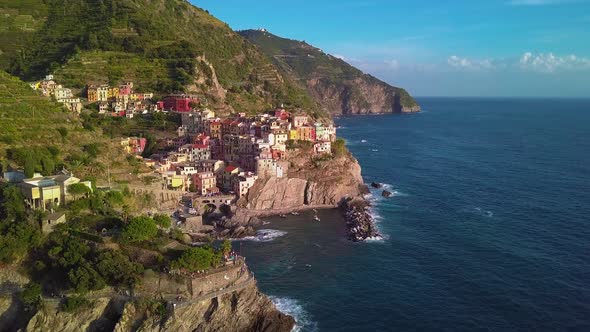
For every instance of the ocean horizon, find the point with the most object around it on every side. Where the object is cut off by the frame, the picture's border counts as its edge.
(487, 228)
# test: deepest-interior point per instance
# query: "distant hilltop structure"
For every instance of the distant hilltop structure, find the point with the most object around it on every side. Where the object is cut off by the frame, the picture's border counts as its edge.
(262, 30)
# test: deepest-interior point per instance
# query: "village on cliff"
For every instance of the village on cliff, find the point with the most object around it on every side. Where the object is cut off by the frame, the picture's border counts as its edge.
(204, 167)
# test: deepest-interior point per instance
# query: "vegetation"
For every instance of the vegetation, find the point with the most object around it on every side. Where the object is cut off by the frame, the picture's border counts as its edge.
(18, 232)
(33, 127)
(196, 259)
(139, 229)
(163, 45)
(339, 148)
(162, 220)
(74, 304)
(31, 295)
(305, 62)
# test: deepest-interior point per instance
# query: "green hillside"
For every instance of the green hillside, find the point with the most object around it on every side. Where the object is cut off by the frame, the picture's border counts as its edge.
(323, 73)
(42, 136)
(164, 44)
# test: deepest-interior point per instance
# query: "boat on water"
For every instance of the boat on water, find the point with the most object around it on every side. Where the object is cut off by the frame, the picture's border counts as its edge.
(283, 216)
(316, 218)
(314, 210)
(294, 213)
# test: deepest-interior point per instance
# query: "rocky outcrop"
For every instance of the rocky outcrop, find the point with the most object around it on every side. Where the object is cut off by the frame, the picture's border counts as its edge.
(97, 316)
(239, 307)
(363, 95)
(359, 221)
(245, 310)
(307, 186)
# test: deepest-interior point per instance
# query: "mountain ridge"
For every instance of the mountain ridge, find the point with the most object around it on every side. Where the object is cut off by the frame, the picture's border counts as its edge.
(339, 87)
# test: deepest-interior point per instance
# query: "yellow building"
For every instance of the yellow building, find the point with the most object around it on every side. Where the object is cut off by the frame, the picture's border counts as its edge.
(294, 135)
(113, 93)
(97, 93)
(48, 192)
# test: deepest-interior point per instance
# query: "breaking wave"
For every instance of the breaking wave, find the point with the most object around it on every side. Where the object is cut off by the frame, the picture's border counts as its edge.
(265, 235)
(293, 308)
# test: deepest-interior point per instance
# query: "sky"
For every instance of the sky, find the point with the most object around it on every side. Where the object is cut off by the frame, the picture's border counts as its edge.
(488, 48)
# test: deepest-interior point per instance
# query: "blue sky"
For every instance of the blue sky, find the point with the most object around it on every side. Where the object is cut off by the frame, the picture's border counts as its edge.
(532, 48)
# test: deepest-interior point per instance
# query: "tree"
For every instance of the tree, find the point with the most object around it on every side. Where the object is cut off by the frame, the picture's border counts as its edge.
(78, 189)
(195, 259)
(226, 247)
(117, 269)
(11, 204)
(163, 220)
(31, 295)
(140, 229)
(74, 303)
(84, 278)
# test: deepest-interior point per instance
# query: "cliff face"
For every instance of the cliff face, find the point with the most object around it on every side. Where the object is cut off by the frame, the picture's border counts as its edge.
(309, 184)
(363, 95)
(242, 308)
(334, 84)
(245, 310)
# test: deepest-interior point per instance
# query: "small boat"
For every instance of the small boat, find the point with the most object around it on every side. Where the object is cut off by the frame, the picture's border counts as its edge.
(316, 218)
(314, 210)
(283, 216)
(294, 213)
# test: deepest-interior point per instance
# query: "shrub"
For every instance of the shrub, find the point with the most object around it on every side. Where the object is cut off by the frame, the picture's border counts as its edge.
(140, 229)
(195, 259)
(31, 294)
(163, 220)
(74, 304)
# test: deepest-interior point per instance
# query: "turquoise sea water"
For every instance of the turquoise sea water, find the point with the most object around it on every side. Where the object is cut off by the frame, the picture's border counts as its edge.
(489, 229)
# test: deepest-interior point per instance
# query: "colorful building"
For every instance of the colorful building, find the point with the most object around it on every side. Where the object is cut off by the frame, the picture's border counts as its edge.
(205, 183)
(179, 103)
(306, 133)
(97, 93)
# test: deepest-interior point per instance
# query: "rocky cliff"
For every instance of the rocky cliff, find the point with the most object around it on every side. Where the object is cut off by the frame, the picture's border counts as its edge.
(245, 309)
(311, 183)
(337, 86)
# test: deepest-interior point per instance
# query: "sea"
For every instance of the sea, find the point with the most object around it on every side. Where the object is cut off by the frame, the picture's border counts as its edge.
(488, 228)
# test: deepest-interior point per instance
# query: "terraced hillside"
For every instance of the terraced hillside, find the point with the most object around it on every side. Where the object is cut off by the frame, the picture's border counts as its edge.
(156, 42)
(42, 134)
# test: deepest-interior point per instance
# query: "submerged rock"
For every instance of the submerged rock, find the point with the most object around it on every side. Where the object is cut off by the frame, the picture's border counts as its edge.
(387, 193)
(376, 185)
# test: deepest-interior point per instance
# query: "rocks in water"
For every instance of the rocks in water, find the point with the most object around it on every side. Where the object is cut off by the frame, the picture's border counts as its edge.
(387, 193)
(376, 185)
(359, 221)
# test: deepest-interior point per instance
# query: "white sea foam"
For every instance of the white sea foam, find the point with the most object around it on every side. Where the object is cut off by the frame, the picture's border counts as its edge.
(265, 235)
(485, 213)
(293, 308)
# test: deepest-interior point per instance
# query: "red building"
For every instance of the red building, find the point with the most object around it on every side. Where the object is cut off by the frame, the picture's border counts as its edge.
(282, 114)
(179, 103)
(201, 139)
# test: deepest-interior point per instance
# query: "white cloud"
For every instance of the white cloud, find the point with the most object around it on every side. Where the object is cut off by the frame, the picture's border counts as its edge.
(528, 61)
(470, 64)
(393, 64)
(549, 63)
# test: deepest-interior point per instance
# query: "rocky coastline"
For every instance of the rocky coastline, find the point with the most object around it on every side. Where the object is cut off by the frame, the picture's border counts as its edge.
(359, 221)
